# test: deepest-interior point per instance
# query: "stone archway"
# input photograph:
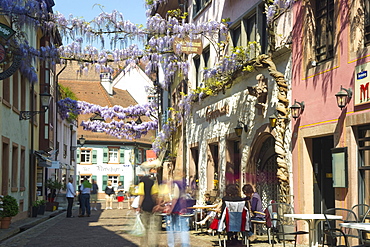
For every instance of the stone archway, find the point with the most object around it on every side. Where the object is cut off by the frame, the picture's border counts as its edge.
(267, 183)
(262, 168)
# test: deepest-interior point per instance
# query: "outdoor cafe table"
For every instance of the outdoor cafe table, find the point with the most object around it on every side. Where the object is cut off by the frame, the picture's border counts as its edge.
(201, 208)
(313, 221)
(358, 226)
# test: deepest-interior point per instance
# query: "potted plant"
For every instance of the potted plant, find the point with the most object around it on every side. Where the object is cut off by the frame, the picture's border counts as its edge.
(8, 209)
(42, 207)
(35, 208)
(54, 186)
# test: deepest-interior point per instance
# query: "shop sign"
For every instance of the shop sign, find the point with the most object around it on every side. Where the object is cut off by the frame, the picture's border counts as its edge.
(6, 32)
(187, 46)
(361, 88)
(216, 112)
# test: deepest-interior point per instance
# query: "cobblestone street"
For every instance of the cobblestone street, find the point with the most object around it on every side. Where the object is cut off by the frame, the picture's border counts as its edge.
(103, 228)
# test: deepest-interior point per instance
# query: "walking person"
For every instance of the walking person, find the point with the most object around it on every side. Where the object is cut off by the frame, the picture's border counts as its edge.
(120, 195)
(148, 193)
(70, 195)
(85, 198)
(177, 225)
(109, 193)
(94, 195)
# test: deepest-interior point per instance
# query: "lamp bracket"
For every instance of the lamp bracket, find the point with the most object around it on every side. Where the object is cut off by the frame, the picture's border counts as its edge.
(348, 91)
(301, 104)
(245, 127)
(26, 115)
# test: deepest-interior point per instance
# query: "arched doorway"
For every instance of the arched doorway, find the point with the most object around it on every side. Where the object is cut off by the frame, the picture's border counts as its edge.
(267, 183)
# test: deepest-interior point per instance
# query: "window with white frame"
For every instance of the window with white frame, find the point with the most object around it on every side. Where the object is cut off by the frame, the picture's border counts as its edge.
(85, 156)
(113, 155)
(114, 180)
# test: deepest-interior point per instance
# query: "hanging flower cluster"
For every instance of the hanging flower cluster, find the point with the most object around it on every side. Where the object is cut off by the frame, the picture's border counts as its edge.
(120, 129)
(275, 7)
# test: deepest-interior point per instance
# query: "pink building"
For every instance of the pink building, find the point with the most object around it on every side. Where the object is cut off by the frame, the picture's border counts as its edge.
(330, 144)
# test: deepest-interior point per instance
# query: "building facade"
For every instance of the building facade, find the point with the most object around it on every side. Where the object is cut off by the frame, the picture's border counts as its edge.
(329, 141)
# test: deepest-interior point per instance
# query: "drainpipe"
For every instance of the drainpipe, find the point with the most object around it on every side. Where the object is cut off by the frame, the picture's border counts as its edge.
(56, 111)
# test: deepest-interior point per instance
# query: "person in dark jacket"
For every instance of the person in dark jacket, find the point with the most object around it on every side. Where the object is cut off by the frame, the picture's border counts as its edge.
(148, 192)
(109, 194)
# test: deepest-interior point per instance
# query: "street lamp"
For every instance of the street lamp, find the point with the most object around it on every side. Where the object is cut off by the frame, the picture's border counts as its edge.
(343, 96)
(239, 128)
(297, 108)
(45, 101)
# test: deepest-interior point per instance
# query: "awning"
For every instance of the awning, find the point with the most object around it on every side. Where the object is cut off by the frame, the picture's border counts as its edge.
(44, 161)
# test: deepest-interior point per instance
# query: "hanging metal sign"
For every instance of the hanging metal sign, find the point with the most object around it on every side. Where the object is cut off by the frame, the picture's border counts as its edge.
(6, 32)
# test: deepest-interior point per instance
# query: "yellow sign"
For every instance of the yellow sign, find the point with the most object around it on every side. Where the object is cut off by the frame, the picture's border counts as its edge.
(187, 46)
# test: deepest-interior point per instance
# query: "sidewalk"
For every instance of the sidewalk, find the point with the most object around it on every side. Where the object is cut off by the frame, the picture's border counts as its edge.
(27, 223)
(115, 225)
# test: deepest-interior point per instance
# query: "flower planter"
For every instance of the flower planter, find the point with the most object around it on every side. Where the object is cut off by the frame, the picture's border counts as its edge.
(51, 206)
(34, 211)
(41, 210)
(5, 222)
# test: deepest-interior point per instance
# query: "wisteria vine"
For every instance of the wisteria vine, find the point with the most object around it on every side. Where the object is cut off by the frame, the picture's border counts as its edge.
(128, 129)
(118, 31)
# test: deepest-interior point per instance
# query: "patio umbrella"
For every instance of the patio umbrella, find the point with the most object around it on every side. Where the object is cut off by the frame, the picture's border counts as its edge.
(151, 164)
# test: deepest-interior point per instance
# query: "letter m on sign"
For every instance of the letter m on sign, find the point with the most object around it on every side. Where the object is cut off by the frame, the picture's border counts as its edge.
(364, 91)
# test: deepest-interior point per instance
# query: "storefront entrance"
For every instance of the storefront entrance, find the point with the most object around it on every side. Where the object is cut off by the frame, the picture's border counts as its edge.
(322, 167)
(267, 184)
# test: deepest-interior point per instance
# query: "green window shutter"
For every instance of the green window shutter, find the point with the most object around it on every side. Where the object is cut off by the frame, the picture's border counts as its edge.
(122, 156)
(94, 156)
(77, 181)
(144, 155)
(94, 177)
(105, 181)
(105, 155)
(136, 156)
(122, 179)
(78, 156)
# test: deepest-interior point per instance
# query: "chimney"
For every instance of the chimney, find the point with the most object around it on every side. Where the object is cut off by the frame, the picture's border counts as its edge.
(106, 82)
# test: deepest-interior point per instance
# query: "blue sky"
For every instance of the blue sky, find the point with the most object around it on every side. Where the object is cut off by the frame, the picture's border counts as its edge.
(132, 10)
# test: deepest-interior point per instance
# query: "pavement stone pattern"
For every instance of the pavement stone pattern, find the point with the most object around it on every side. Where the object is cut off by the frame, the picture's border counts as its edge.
(102, 228)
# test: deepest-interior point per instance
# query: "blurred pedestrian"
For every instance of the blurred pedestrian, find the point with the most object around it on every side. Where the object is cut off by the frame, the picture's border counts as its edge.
(109, 194)
(148, 193)
(177, 225)
(85, 198)
(120, 195)
(94, 195)
(70, 195)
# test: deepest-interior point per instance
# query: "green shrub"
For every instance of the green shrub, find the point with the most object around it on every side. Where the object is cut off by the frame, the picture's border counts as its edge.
(9, 206)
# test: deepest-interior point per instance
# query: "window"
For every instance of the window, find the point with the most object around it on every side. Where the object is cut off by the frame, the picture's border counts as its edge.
(6, 88)
(22, 171)
(15, 90)
(324, 29)
(23, 93)
(85, 156)
(113, 155)
(367, 22)
(14, 168)
(206, 55)
(251, 28)
(82, 178)
(114, 180)
(236, 35)
(364, 164)
(196, 60)
(199, 5)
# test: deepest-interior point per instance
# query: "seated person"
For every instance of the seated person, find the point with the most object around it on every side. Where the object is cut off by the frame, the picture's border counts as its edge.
(254, 199)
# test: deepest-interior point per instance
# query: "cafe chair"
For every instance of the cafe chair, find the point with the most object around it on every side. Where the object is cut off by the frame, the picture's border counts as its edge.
(337, 236)
(234, 223)
(361, 210)
(283, 228)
